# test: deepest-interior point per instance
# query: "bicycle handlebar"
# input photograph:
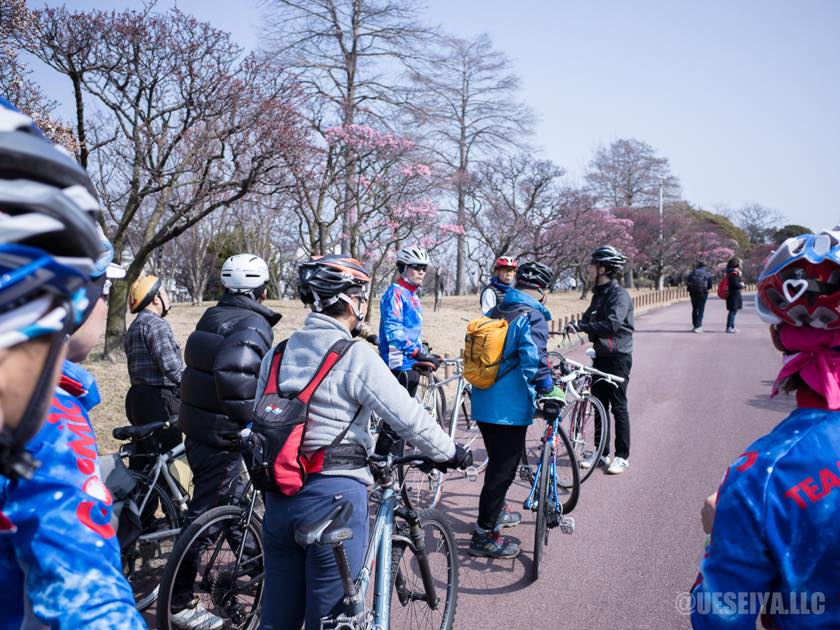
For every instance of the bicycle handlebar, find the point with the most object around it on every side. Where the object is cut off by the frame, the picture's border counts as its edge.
(591, 370)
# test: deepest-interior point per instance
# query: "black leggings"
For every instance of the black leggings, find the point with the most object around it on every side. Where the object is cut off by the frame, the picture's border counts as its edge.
(504, 446)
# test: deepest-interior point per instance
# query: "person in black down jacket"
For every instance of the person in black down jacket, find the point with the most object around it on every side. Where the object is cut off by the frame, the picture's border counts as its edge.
(609, 323)
(223, 359)
(734, 303)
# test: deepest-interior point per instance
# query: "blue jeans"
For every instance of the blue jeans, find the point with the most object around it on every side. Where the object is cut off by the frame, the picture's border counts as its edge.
(303, 585)
(730, 319)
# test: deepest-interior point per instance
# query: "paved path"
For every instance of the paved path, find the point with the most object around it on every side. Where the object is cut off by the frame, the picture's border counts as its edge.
(696, 401)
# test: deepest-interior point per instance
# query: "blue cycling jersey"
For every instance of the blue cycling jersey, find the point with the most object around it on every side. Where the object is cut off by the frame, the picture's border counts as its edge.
(60, 564)
(400, 325)
(775, 531)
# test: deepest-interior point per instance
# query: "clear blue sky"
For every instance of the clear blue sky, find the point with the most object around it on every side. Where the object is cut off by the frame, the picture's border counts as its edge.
(742, 96)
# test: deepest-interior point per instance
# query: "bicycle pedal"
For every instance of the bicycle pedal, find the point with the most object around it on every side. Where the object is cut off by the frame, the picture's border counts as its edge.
(567, 524)
(525, 473)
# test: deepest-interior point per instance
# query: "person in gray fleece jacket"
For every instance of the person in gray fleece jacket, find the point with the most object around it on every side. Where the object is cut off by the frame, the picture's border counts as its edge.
(336, 287)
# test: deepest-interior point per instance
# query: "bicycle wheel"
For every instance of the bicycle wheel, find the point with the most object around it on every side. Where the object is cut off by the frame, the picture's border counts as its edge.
(466, 432)
(409, 608)
(144, 559)
(588, 432)
(209, 547)
(540, 530)
(567, 472)
(423, 490)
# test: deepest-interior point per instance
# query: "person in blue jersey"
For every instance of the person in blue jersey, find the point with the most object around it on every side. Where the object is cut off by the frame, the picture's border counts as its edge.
(773, 521)
(506, 409)
(400, 328)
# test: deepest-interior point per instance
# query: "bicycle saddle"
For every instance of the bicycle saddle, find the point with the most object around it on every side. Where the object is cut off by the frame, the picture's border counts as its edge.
(136, 433)
(330, 530)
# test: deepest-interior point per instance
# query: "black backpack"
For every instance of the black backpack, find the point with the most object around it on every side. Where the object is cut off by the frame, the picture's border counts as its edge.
(698, 281)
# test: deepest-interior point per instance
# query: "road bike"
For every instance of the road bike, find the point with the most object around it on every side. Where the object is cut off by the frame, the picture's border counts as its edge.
(411, 556)
(555, 484)
(410, 553)
(161, 502)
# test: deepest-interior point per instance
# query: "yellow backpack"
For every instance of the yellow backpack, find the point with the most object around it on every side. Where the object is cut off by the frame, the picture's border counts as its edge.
(483, 346)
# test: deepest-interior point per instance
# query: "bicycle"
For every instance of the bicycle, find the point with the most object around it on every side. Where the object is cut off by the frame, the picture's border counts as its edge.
(403, 548)
(556, 455)
(425, 490)
(162, 505)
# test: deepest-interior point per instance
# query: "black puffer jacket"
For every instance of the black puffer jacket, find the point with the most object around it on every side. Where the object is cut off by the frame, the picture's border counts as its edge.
(734, 301)
(609, 320)
(223, 359)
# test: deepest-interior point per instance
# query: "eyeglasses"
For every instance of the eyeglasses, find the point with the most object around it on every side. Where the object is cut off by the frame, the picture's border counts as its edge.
(418, 267)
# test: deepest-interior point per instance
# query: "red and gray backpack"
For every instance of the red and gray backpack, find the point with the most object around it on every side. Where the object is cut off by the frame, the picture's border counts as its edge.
(273, 453)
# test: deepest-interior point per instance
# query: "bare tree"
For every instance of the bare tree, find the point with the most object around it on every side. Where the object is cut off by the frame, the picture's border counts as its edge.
(627, 174)
(514, 198)
(342, 50)
(197, 255)
(759, 222)
(464, 101)
(186, 125)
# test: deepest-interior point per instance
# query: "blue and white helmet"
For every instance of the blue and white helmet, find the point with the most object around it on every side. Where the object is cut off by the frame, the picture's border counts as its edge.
(49, 239)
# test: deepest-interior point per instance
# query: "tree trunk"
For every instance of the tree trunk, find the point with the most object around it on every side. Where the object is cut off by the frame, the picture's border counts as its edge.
(461, 262)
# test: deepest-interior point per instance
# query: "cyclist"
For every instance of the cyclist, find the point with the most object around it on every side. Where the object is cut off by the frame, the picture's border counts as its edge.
(779, 501)
(400, 327)
(154, 367)
(504, 271)
(223, 358)
(609, 323)
(336, 288)
(59, 558)
(506, 409)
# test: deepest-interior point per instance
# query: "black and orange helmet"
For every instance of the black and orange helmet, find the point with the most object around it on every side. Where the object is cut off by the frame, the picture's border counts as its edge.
(323, 280)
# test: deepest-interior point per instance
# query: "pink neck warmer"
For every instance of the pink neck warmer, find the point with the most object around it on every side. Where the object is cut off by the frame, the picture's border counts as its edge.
(817, 360)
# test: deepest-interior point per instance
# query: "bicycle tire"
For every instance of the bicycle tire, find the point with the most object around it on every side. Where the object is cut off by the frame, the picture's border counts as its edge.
(441, 550)
(224, 523)
(565, 456)
(540, 530)
(424, 490)
(143, 561)
(578, 431)
(465, 431)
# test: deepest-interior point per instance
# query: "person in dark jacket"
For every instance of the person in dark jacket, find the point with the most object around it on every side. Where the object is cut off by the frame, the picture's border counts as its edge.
(699, 283)
(609, 323)
(223, 357)
(734, 302)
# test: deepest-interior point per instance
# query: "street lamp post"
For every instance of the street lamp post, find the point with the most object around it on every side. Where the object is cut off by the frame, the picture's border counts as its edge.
(661, 275)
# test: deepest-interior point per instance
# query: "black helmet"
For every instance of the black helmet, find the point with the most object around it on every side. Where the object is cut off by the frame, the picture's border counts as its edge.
(534, 275)
(324, 279)
(609, 257)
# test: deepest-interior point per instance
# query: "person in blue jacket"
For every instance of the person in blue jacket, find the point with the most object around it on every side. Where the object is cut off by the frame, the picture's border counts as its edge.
(506, 409)
(773, 546)
(400, 329)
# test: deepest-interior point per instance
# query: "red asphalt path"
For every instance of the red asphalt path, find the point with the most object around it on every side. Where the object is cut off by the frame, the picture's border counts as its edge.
(696, 401)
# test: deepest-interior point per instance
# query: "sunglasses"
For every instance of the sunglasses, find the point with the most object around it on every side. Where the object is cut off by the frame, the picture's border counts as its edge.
(418, 267)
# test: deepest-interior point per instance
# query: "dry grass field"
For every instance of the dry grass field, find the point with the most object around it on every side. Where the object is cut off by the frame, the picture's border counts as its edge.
(443, 330)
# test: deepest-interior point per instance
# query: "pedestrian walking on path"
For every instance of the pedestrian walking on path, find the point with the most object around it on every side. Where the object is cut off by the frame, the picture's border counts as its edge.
(734, 302)
(699, 284)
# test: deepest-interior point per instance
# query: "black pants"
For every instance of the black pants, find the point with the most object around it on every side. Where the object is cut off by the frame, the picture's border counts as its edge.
(217, 474)
(388, 441)
(614, 399)
(145, 404)
(504, 446)
(698, 308)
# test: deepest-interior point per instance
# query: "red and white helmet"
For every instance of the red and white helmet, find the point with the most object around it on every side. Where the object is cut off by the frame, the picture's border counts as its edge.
(800, 284)
(505, 261)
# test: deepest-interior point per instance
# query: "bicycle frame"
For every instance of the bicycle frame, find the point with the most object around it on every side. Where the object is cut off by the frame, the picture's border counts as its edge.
(550, 435)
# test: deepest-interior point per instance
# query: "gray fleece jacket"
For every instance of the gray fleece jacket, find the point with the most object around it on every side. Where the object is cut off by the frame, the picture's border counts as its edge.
(360, 379)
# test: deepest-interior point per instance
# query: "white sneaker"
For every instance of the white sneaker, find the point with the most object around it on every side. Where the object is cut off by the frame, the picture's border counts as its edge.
(699, 329)
(604, 461)
(618, 466)
(198, 618)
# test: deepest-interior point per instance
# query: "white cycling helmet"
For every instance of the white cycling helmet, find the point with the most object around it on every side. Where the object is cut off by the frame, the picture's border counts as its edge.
(243, 273)
(413, 256)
